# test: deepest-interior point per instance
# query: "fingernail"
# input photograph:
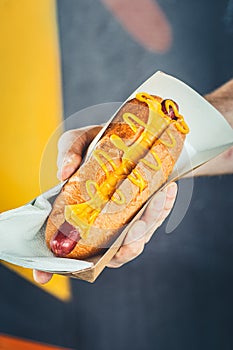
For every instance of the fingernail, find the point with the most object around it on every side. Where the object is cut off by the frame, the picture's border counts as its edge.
(172, 190)
(159, 201)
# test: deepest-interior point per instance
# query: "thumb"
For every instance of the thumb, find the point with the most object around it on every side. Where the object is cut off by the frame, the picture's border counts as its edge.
(71, 148)
(70, 163)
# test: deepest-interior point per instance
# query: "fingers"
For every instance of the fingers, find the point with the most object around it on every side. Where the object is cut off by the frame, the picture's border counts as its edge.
(71, 148)
(154, 210)
(159, 208)
(133, 245)
(42, 277)
(68, 160)
(143, 229)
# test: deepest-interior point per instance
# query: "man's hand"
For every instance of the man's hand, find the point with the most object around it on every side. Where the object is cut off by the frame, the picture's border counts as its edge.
(71, 148)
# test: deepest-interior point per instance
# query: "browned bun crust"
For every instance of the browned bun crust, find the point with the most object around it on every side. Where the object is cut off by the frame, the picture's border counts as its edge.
(112, 217)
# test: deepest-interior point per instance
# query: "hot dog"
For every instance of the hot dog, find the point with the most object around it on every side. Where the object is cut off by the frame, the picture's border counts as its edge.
(130, 162)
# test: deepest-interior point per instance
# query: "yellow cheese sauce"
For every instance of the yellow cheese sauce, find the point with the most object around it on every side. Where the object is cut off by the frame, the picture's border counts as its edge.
(136, 178)
(83, 215)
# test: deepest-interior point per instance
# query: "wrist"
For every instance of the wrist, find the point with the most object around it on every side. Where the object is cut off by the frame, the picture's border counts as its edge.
(222, 100)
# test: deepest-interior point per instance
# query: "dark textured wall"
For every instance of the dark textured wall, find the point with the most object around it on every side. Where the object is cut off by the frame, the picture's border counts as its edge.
(178, 294)
(102, 62)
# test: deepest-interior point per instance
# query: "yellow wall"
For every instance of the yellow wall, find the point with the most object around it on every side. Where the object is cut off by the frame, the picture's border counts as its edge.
(30, 97)
(30, 109)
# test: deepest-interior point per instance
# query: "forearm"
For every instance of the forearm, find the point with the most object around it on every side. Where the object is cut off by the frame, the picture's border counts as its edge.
(222, 100)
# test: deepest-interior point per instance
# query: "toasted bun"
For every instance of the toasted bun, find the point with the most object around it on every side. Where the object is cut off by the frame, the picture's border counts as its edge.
(113, 216)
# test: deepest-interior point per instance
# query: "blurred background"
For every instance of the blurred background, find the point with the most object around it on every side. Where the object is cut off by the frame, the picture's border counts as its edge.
(59, 57)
